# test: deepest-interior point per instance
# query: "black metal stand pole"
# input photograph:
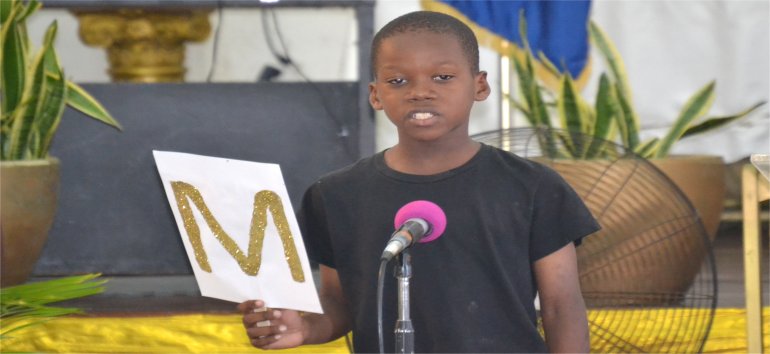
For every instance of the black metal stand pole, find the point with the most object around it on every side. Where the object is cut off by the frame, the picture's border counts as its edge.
(404, 332)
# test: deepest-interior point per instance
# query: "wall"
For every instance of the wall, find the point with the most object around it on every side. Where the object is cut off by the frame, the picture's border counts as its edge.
(671, 48)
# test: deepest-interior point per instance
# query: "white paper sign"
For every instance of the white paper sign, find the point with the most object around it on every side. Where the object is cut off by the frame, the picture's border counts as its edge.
(239, 230)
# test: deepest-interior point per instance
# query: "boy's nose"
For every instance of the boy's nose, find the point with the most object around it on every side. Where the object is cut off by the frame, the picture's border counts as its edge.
(421, 90)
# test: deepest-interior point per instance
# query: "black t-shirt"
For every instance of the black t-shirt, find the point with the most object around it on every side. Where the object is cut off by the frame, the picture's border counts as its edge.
(473, 288)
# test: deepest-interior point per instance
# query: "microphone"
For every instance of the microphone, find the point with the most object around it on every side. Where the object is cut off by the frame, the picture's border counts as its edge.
(418, 221)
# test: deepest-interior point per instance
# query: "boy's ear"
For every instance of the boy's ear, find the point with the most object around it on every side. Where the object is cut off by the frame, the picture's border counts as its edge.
(373, 99)
(482, 86)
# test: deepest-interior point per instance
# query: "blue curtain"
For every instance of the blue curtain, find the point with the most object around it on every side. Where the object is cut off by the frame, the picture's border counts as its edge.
(557, 28)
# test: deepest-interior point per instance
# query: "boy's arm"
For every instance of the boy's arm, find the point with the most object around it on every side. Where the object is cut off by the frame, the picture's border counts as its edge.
(334, 323)
(561, 302)
(287, 328)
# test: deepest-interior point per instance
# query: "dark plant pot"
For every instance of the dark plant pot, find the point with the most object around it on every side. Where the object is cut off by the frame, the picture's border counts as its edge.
(27, 209)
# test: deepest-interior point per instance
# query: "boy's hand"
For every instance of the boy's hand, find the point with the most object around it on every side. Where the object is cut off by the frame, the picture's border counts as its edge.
(271, 328)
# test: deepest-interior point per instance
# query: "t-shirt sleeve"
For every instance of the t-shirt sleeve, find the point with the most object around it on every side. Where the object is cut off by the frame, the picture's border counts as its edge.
(559, 216)
(312, 221)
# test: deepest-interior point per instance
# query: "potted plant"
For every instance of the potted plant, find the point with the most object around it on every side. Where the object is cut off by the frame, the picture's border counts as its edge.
(34, 93)
(612, 118)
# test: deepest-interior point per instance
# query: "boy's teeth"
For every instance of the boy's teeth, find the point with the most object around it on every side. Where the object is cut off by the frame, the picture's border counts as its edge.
(420, 116)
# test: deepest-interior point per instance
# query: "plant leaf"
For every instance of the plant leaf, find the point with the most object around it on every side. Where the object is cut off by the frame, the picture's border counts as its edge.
(695, 107)
(647, 148)
(605, 108)
(715, 122)
(568, 105)
(548, 64)
(5, 9)
(629, 124)
(81, 100)
(569, 114)
(50, 113)
(23, 305)
(24, 118)
(14, 64)
(629, 121)
(51, 105)
(611, 57)
(32, 7)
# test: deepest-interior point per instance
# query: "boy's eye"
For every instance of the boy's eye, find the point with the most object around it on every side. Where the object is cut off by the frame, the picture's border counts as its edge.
(396, 81)
(443, 77)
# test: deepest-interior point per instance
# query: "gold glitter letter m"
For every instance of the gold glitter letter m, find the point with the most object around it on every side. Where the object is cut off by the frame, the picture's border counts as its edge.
(250, 262)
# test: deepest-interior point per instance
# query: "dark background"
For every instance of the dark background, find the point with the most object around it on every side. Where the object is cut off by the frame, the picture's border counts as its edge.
(113, 216)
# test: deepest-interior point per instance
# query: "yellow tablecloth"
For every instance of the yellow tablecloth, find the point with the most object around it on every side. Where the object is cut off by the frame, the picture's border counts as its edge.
(210, 333)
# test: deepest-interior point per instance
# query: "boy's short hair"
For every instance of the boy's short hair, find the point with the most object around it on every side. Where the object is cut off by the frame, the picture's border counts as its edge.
(430, 21)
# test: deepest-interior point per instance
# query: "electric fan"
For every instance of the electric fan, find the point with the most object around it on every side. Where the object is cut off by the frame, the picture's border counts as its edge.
(648, 276)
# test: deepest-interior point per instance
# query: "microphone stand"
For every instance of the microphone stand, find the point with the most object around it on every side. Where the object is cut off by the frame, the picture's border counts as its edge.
(404, 332)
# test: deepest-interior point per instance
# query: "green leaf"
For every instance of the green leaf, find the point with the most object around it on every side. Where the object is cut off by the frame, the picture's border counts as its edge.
(548, 64)
(81, 100)
(695, 107)
(572, 117)
(51, 105)
(647, 148)
(605, 108)
(526, 81)
(32, 7)
(713, 123)
(24, 305)
(24, 118)
(14, 64)
(627, 119)
(523, 31)
(50, 113)
(570, 114)
(611, 57)
(5, 9)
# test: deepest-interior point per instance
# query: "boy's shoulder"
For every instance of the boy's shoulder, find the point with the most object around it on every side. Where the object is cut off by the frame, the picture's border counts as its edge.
(521, 165)
(351, 172)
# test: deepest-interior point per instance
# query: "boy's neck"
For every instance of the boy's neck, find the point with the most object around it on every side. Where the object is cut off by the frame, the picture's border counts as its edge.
(430, 158)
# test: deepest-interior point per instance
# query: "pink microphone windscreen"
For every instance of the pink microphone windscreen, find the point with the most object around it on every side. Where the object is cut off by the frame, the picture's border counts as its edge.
(427, 211)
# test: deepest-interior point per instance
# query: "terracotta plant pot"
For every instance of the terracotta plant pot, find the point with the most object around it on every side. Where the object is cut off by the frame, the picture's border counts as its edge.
(28, 205)
(702, 180)
(651, 246)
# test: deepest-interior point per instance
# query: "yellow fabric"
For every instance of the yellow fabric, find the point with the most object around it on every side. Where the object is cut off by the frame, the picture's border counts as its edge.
(199, 333)
(209, 333)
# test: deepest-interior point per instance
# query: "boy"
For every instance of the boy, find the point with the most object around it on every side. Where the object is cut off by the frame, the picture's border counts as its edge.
(511, 223)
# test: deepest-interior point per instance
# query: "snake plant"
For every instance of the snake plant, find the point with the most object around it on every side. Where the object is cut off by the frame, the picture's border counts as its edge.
(33, 88)
(612, 116)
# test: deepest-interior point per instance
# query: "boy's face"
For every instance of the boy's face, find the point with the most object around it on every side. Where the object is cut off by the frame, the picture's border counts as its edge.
(425, 86)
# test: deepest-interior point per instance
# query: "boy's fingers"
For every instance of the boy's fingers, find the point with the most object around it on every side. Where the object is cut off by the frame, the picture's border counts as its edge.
(263, 342)
(264, 337)
(267, 316)
(261, 317)
(265, 333)
(251, 306)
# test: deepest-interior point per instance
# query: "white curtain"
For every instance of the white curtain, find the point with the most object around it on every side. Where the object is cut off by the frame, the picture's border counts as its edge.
(673, 48)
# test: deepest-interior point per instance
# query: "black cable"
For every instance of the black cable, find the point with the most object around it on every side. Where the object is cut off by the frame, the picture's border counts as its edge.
(380, 286)
(215, 48)
(285, 59)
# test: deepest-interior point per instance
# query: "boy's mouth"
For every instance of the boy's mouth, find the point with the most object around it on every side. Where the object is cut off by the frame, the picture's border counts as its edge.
(422, 115)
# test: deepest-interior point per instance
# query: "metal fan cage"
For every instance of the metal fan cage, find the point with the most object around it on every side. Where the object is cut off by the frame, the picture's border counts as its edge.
(648, 276)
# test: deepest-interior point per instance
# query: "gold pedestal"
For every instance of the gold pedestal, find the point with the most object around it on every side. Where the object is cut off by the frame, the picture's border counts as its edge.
(144, 45)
